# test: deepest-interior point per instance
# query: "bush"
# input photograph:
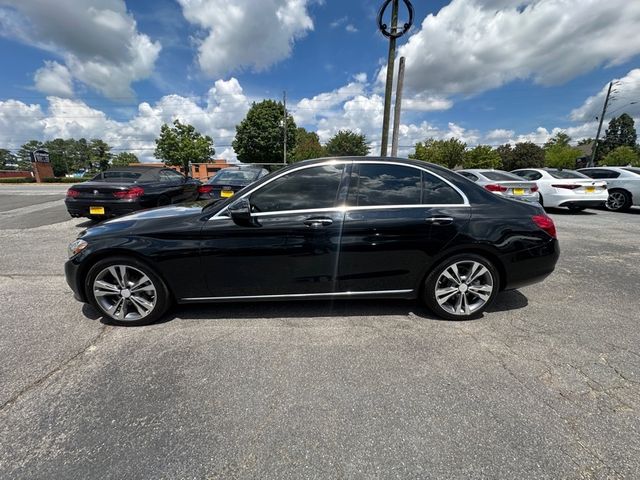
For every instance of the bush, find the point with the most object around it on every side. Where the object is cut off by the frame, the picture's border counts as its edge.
(621, 157)
(561, 156)
(62, 180)
(17, 180)
(482, 156)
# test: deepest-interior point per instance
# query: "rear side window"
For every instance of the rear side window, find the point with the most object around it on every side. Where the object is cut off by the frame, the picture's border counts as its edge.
(384, 185)
(601, 173)
(529, 174)
(307, 189)
(632, 170)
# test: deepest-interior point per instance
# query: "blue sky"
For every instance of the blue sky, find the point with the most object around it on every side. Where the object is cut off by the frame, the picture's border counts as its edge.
(486, 71)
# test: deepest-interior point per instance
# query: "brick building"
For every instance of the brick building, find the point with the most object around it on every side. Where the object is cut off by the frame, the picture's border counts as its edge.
(200, 171)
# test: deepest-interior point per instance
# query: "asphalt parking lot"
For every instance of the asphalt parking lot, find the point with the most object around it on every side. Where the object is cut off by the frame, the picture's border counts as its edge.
(546, 385)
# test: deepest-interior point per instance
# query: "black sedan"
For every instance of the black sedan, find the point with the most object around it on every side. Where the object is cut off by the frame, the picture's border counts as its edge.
(228, 181)
(329, 228)
(123, 190)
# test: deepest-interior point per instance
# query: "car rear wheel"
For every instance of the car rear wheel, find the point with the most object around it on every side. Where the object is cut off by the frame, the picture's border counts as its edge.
(461, 287)
(618, 201)
(127, 291)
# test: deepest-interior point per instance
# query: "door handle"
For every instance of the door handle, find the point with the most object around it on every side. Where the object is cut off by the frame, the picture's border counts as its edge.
(318, 222)
(439, 220)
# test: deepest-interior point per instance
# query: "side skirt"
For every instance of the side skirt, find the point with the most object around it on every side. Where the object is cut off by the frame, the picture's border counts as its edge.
(404, 294)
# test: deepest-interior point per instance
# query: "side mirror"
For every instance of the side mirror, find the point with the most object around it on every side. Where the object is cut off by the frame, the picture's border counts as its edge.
(240, 212)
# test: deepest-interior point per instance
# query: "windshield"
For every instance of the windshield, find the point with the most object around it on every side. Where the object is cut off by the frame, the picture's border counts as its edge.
(499, 175)
(235, 176)
(632, 170)
(565, 174)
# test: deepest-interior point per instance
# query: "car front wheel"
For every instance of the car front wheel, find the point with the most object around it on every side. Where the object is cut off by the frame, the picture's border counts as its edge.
(462, 287)
(127, 291)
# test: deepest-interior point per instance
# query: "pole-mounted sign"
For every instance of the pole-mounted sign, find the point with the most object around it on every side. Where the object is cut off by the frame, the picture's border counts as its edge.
(392, 33)
(39, 156)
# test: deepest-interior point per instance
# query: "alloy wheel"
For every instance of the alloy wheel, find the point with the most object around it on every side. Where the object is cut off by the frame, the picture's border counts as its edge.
(125, 293)
(464, 287)
(616, 200)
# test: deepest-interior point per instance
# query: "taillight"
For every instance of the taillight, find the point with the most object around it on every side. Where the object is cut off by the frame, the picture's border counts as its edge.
(546, 224)
(72, 193)
(205, 188)
(495, 188)
(534, 188)
(567, 186)
(129, 193)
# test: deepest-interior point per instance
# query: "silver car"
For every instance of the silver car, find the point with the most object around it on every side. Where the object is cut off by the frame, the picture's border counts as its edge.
(503, 183)
(623, 184)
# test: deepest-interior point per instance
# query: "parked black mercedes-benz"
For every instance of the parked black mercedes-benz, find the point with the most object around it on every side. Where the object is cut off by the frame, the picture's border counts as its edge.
(123, 190)
(329, 228)
(228, 181)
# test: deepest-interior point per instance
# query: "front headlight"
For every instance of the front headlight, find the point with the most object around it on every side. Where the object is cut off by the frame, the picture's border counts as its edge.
(76, 247)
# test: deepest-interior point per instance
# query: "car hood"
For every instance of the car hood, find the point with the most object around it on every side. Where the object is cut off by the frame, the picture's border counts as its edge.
(155, 220)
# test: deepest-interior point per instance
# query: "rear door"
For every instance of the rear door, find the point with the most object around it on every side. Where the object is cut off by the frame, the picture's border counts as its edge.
(398, 218)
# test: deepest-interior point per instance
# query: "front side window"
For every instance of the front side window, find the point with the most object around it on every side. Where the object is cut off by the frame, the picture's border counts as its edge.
(307, 189)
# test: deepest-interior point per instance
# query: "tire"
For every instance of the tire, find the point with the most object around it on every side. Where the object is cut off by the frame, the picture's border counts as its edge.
(619, 201)
(163, 201)
(576, 208)
(450, 301)
(132, 306)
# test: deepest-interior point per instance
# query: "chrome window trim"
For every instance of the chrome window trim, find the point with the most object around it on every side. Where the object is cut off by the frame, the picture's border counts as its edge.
(297, 295)
(465, 201)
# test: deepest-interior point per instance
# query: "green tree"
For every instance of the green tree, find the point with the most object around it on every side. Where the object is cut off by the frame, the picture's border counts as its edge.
(347, 143)
(449, 153)
(522, 155)
(307, 146)
(6, 158)
(560, 138)
(482, 156)
(58, 154)
(621, 157)
(620, 133)
(585, 141)
(182, 143)
(561, 156)
(123, 159)
(24, 159)
(100, 154)
(260, 136)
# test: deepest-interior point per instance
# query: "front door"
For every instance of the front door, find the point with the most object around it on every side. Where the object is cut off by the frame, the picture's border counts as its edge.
(292, 246)
(398, 218)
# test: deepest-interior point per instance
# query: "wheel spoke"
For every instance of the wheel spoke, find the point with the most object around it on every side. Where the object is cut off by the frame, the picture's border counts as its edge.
(144, 303)
(452, 275)
(444, 294)
(465, 303)
(481, 291)
(138, 307)
(458, 307)
(115, 308)
(116, 276)
(144, 284)
(107, 286)
(477, 271)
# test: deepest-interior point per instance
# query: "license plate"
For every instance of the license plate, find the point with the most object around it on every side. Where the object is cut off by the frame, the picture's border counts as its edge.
(226, 194)
(96, 210)
(518, 191)
(590, 189)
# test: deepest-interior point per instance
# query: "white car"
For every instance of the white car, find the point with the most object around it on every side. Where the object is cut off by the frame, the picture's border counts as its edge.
(566, 188)
(623, 184)
(503, 183)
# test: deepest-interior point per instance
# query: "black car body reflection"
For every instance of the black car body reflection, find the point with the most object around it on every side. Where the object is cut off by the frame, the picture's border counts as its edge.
(328, 228)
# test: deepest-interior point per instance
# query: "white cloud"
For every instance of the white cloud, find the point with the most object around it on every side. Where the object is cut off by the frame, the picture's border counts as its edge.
(216, 115)
(625, 99)
(351, 28)
(338, 22)
(54, 79)
(499, 136)
(471, 45)
(98, 39)
(360, 77)
(245, 33)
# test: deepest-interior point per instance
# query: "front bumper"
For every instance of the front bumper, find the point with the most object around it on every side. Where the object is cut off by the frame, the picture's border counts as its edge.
(71, 273)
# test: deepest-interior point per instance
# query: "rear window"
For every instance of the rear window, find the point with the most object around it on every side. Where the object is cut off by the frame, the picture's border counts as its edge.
(632, 170)
(227, 175)
(499, 176)
(115, 176)
(565, 174)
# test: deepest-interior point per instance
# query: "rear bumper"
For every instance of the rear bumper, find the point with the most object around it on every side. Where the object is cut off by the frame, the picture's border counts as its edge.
(569, 199)
(583, 203)
(530, 266)
(116, 208)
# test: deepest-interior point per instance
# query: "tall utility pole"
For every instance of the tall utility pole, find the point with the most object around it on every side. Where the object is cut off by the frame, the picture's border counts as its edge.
(594, 149)
(389, 87)
(284, 101)
(398, 109)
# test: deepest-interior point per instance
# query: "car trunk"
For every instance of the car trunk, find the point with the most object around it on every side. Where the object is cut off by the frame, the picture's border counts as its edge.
(579, 186)
(100, 190)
